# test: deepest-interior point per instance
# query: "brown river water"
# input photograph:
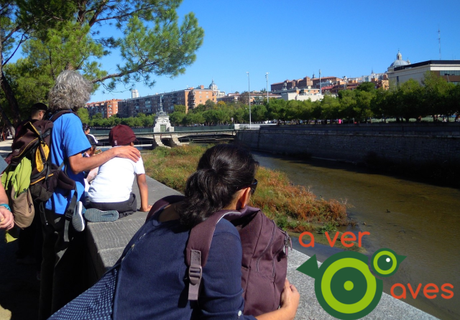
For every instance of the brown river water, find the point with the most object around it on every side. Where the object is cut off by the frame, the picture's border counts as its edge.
(417, 220)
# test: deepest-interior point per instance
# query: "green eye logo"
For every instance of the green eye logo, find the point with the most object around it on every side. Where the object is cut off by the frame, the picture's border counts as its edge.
(385, 262)
(344, 284)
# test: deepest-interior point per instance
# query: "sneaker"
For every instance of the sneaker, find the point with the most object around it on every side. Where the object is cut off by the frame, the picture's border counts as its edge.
(77, 219)
(96, 215)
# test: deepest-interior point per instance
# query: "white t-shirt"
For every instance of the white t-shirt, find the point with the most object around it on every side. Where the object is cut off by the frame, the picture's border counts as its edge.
(114, 181)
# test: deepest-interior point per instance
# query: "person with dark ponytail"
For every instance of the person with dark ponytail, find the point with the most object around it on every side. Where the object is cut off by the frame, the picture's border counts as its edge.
(152, 274)
(222, 172)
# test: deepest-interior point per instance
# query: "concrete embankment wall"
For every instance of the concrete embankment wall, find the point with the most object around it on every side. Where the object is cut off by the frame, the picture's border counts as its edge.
(398, 143)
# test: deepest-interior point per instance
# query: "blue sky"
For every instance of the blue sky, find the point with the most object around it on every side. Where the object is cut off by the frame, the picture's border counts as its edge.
(297, 38)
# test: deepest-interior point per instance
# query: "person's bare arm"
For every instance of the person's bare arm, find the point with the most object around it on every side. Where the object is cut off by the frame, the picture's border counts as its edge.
(289, 303)
(144, 192)
(6, 217)
(79, 164)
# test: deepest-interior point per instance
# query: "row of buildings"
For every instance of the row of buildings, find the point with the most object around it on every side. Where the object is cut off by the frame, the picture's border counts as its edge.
(313, 88)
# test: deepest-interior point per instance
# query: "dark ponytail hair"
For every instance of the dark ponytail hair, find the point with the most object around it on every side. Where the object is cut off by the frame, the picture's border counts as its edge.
(222, 171)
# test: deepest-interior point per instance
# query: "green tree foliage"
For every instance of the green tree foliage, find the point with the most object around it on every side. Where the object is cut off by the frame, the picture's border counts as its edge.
(437, 92)
(347, 100)
(380, 104)
(277, 109)
(180, 108)
(214, 117)
(330, 108)
(453, 100)
(361, 108)
(409, 100)
(366, 86)
(83, 114)
(259, 113)
(293, 110)
(56, 35)
(177, 118)
(241, 114)
(194, 118)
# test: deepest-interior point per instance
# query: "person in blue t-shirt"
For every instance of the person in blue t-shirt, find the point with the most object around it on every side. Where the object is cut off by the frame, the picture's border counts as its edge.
(63, 263)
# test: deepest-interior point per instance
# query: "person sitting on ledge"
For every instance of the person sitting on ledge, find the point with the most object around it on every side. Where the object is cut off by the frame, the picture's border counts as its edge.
(111, 189)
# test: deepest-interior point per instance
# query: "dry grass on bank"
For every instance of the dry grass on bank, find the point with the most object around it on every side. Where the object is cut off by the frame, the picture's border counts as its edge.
(292, 207)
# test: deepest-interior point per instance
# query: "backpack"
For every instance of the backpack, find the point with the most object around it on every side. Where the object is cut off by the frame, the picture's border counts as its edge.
(16, 183)
(264, 262)
(33, 142)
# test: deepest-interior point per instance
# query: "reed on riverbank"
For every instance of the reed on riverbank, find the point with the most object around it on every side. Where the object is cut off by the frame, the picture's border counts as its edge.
(292, 207)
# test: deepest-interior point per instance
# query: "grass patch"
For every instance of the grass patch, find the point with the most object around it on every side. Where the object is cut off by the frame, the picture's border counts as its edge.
(293, 208)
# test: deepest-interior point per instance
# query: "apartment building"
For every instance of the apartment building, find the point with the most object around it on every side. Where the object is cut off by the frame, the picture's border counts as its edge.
(106, 108)
(153, 104)
(287, 85)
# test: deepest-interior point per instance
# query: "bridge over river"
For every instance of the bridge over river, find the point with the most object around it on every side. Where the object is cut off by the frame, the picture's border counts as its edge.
(181, 135)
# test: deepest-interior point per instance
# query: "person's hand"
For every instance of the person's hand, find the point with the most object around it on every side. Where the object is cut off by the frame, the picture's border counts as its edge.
(127, 152)
(290, 299)
(146, 209)
(6, 219)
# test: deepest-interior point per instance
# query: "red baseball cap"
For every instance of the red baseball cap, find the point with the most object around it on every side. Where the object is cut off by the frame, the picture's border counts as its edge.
(121, 135)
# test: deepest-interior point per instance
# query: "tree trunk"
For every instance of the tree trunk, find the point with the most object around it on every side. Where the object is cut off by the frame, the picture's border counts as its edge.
(12, 102)
(7, 122)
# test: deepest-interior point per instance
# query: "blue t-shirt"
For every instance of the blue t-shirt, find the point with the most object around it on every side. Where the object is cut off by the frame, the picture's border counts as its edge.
(68, 139)
(152, 275)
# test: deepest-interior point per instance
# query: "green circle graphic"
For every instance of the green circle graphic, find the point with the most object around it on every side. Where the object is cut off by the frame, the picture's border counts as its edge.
(382, 266)
(348, 285)
(346, 289)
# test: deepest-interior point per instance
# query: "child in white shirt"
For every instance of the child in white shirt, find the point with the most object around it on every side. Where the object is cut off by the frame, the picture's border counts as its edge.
(111, 189)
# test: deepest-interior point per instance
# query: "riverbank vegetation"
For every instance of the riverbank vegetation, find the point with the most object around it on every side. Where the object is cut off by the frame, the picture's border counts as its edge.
(293, 208)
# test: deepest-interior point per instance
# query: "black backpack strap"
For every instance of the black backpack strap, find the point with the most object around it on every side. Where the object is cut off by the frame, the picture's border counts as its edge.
(68, 216)
(67, 183)
(57, 114)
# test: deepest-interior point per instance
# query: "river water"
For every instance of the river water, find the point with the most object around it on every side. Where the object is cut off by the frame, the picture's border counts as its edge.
(417, 220)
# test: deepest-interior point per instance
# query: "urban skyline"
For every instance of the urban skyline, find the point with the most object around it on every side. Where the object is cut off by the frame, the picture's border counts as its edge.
(297, 40)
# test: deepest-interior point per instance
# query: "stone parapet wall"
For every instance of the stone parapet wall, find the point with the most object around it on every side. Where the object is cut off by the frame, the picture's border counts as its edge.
(408, 144)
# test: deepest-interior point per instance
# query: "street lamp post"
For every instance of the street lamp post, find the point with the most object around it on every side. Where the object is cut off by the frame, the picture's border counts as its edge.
(249, 99)
(320, 88)
(266, 77)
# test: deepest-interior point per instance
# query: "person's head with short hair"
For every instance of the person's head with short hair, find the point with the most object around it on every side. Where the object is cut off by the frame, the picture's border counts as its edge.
(121, 135)
(94, 143)
(223, 171)
(86, 128)
(38, 111)
(71, 91)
